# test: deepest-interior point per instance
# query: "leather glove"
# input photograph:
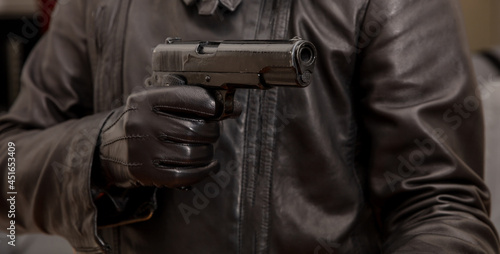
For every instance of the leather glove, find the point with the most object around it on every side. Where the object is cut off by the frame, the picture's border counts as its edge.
(163, 136)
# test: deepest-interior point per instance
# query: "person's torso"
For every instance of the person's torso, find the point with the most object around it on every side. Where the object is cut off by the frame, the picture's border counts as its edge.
(289, 182)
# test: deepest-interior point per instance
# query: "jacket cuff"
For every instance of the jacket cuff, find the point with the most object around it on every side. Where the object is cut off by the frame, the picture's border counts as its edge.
(83, 145)
(119, 206)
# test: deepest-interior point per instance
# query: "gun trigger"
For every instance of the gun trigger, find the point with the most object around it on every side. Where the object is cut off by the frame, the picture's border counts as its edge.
(225, 101)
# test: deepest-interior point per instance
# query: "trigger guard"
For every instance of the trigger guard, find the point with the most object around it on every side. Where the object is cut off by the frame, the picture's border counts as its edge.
(225, 104)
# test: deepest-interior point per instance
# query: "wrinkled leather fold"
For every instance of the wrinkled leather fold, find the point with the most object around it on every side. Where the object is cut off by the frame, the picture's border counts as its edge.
(208, 7)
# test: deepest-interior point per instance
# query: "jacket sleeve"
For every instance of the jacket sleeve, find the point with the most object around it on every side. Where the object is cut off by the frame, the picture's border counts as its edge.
(422, 119)
(54, 132)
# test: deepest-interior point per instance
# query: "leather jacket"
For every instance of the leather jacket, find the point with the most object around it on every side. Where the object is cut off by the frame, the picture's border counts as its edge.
(487, 66)
(382, 153)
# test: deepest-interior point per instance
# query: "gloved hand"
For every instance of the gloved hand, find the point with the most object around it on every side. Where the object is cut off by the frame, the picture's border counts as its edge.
(163, 136)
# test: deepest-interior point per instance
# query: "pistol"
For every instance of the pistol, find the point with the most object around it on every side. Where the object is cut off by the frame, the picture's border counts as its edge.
(227, 65)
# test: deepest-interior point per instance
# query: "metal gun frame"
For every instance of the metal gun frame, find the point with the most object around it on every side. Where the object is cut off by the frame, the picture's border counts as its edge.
(227, 65)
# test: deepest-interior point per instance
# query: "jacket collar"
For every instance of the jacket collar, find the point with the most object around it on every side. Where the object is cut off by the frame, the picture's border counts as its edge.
(208, 7)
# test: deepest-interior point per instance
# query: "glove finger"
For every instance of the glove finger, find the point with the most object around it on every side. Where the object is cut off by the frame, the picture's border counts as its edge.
(177, 129)
(174, 177)
(152, 151)
(182, 100)
(184, 155)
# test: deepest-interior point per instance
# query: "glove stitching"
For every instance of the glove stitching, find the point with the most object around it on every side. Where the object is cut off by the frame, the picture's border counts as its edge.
(183, 118)
(204, 113)
(174, 139)
(116, 121)
(196, 163)
(117, 161)
(169, 142)
(124, 138)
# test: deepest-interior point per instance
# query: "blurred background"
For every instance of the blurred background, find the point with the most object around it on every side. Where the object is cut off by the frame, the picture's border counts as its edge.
(22, 22)
(482, 22)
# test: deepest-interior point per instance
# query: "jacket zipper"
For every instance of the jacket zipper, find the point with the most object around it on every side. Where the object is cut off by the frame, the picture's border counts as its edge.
(254, 225)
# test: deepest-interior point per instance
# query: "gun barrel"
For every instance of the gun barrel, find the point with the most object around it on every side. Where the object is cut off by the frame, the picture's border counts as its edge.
(238, 64)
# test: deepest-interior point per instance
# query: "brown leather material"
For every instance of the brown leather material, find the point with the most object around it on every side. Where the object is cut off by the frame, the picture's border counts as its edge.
(382, 153)
(487, 67)
(209, 7)
(174, 148)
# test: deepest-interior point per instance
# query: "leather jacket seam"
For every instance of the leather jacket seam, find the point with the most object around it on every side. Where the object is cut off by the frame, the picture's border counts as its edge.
(243, 182)
(102, 83)
(354, 128)
(279, 31)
